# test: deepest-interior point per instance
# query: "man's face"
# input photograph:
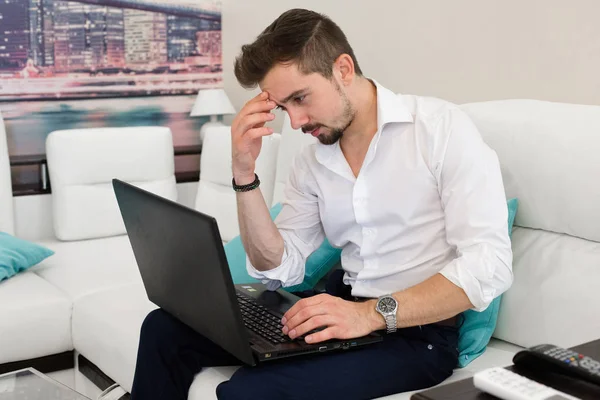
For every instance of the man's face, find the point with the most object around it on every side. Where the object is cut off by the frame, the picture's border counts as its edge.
(315, 104)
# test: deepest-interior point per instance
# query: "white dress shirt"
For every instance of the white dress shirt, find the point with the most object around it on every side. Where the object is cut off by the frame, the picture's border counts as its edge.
(428, 199)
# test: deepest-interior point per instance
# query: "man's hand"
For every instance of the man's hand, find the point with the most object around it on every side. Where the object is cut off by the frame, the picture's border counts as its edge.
(341, 319)
(247, 131)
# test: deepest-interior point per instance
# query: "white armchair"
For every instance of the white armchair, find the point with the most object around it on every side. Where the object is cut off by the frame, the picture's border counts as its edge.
(6, 202)
(82, 164)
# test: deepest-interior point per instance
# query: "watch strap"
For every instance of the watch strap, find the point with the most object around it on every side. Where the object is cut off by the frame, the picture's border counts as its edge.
(390, 322)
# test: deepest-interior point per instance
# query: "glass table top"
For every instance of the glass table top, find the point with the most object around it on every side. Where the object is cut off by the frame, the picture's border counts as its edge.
(30, 384)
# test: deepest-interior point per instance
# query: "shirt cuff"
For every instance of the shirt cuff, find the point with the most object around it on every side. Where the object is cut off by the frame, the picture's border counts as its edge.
(476, 271)
(271, 278)
(289, 273)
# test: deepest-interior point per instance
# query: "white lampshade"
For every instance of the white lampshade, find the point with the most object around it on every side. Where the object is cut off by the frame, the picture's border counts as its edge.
(212, 102)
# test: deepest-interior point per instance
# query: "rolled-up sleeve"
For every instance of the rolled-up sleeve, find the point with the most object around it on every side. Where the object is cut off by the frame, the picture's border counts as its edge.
(300, 226)
(476, 213)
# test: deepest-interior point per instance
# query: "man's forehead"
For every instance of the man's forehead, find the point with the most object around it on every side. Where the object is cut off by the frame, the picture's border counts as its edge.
(279, 93)
(280, 96)
(283, 80)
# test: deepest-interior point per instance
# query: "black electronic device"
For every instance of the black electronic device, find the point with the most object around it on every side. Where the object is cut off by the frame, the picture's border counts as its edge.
(547, 357)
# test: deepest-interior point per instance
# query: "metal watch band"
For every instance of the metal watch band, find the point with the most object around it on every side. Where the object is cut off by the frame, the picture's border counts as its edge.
(248, 187)
(390, 321)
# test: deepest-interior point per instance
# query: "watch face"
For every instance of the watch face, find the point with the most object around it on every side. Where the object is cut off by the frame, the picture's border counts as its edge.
(386, 305)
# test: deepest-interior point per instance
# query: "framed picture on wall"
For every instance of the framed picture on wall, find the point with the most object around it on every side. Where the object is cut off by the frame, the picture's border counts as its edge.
(104, 63)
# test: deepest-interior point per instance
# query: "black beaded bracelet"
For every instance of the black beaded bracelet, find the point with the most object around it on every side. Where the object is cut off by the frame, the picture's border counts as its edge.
(248, 187)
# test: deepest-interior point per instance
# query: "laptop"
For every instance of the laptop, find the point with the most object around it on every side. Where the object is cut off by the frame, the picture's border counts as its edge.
(184, 269)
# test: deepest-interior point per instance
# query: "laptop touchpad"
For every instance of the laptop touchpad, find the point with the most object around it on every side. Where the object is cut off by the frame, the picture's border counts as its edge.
(276, 301)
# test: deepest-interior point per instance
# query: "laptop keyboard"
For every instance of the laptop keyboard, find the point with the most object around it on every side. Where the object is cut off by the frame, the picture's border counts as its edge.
(260, 320)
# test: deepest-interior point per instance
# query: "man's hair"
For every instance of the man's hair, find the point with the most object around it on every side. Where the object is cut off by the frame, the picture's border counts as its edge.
(309, 39)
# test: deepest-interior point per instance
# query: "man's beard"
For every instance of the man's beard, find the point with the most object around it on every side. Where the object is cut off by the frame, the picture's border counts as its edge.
(336, 133)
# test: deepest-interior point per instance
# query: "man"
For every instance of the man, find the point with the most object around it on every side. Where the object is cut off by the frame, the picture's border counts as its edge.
(404, 185)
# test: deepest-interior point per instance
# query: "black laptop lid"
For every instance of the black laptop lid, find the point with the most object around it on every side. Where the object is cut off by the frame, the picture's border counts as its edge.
(182, 262)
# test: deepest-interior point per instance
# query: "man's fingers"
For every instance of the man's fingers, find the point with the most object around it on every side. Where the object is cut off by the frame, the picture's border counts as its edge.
(261, 106)
(262, 96)
(321, 336)
(301, 304)
(255, 133)
(304, 315)
(313, 323)
(239, 127)
(260, 103)
(254, 121)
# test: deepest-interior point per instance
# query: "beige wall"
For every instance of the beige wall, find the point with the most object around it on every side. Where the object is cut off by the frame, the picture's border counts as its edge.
(459, 50)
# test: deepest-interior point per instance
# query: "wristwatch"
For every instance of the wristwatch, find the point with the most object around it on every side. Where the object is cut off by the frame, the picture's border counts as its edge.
(387, 307)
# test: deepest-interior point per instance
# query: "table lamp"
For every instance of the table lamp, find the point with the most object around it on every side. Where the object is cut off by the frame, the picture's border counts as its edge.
(213, 103)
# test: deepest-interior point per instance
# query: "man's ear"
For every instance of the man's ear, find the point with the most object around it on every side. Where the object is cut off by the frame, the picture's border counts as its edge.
(343, 66)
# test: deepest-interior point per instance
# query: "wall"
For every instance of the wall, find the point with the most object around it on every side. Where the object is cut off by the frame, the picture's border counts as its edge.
(460, 50)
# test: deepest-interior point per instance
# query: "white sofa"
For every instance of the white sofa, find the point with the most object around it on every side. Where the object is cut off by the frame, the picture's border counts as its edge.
(548, 155)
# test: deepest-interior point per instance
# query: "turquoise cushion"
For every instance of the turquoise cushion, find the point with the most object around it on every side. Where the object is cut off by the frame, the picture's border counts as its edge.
(316, 267)
(17, 255)
(478, 327)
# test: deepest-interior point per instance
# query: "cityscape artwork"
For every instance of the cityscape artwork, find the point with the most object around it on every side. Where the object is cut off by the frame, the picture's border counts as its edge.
(98, 63)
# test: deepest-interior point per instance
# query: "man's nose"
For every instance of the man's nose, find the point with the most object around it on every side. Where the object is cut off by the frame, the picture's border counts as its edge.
(298, 119)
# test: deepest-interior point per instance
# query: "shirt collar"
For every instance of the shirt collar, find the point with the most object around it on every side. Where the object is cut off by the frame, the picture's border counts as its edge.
(390, 109)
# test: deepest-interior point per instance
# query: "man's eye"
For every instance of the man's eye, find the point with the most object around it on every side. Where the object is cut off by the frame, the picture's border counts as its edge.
(299, 99)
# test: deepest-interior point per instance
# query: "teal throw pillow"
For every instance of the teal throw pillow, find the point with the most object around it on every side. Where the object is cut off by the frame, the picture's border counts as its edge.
(316, 267)
(17, 255)
(478, 327)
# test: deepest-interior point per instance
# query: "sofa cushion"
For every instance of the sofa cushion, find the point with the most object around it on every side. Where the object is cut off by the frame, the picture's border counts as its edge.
(548, 153)
(17, 255)
(85, 266)
(106, 329)
(35, 319)
(556, 279)
(82, 164)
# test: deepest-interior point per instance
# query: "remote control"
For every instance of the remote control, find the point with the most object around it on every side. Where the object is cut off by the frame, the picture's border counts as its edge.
(508, 385)
(551, 358)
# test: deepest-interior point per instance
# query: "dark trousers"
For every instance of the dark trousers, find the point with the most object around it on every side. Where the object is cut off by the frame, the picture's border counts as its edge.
(170, 354)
